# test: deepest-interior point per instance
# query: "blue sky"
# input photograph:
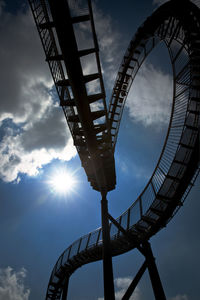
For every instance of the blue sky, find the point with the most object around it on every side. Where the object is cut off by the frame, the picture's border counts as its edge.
(36, 223)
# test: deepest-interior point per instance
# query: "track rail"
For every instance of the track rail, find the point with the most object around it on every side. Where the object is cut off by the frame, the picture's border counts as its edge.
(59, 24)
(177, 167)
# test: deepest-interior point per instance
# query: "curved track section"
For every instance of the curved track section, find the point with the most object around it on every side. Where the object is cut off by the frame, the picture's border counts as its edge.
(59, 24)
(177, 167)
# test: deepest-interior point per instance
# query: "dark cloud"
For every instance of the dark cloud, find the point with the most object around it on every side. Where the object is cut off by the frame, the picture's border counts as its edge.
(50, 132)
(26, 99)
(22, 66)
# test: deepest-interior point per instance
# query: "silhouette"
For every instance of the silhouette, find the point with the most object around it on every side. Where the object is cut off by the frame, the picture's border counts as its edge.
(94, 129)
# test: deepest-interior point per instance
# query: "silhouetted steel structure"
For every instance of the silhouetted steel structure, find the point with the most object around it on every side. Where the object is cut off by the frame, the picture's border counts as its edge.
(95, 129)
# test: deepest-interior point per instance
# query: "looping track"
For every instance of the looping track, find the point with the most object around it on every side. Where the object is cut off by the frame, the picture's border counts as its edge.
(177, 167)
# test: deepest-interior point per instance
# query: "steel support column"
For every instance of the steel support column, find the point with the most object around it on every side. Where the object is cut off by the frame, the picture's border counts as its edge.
(153, 272)
(109, 293)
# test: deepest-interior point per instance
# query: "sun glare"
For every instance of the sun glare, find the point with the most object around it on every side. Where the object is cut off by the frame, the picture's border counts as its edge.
(63, 182)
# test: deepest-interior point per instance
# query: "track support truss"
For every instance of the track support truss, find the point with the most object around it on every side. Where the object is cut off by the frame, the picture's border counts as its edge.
(150, 264)
(153, 271)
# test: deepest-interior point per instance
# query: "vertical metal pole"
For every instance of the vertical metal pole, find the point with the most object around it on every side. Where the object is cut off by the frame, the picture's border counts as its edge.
(153, 273)
(109, 293)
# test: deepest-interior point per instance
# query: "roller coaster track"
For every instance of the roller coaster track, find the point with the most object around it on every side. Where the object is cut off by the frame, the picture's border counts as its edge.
(178, 165)
(85, 111)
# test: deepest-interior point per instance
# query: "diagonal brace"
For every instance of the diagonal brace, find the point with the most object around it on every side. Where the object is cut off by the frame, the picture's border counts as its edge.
(146, 250)
(135, 282)
(127, 235)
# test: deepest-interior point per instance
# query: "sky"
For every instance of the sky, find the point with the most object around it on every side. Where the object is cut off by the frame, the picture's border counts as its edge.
(37, 223)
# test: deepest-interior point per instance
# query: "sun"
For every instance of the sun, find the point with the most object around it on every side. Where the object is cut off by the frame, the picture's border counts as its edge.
(63, 182)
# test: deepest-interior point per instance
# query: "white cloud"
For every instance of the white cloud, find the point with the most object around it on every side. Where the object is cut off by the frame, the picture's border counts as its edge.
(37, 131)
(121, 285)
(15, 159)
(180, 297)
(110, 45)
(149, 100)
(12, 285)
(108, 37)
